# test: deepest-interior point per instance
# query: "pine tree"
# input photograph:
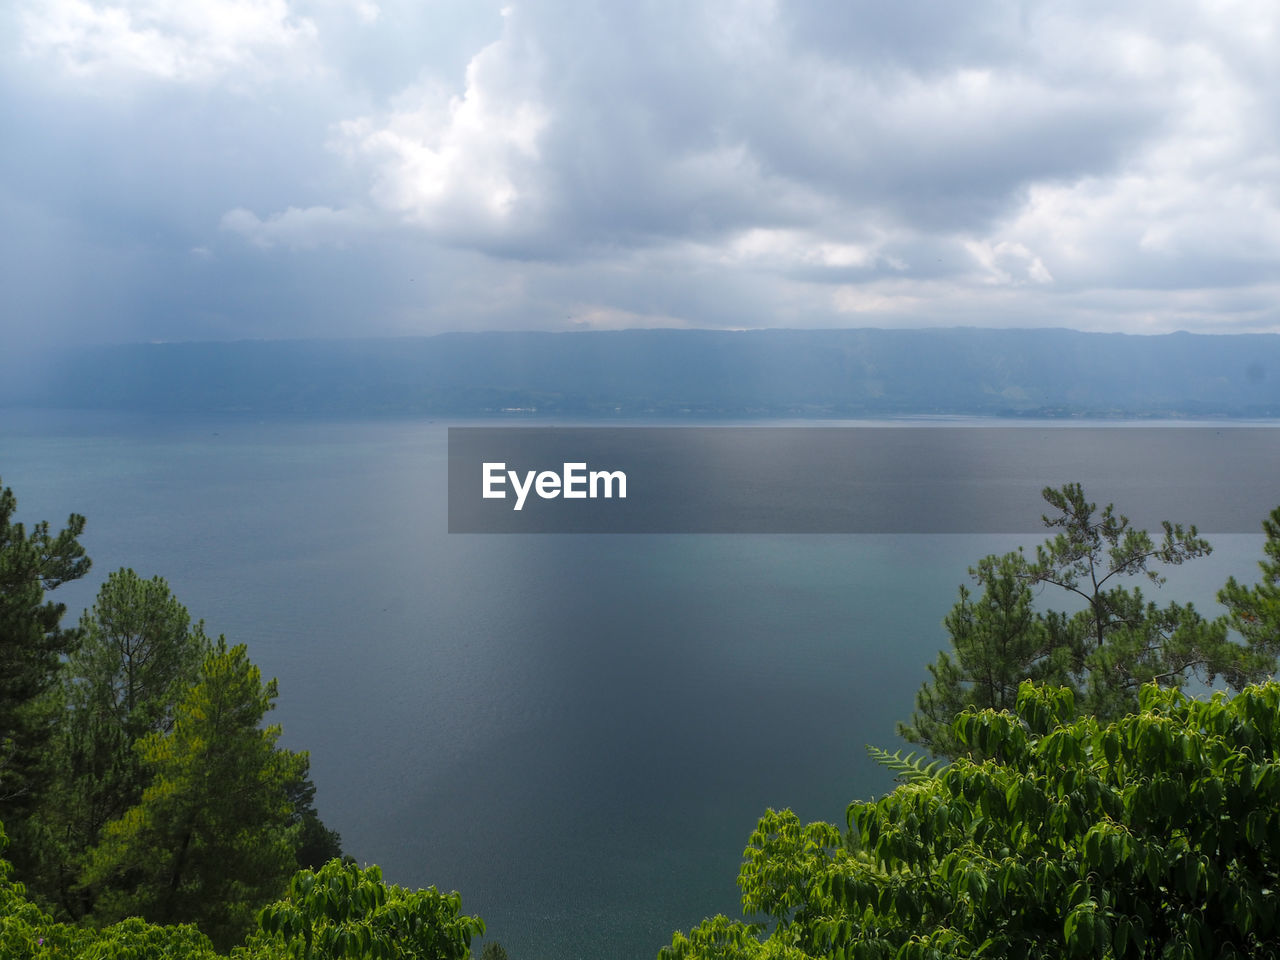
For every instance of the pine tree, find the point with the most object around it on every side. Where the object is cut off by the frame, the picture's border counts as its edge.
(32, 643)
(1255, 611)
(1105, 650)
(139, 655)
(998, 640)
(212, 838)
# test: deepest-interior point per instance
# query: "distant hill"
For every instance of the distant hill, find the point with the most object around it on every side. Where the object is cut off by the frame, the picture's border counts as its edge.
(686, 373)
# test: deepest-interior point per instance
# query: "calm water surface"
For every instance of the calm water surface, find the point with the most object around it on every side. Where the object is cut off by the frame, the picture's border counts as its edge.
(578, 733)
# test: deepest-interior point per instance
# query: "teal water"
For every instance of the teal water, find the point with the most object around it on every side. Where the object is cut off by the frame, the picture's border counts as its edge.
(576, 732)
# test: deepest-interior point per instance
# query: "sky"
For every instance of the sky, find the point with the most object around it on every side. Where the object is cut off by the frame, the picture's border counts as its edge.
(232, 169)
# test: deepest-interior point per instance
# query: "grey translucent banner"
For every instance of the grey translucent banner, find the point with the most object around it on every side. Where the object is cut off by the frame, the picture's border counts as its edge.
(911, 479)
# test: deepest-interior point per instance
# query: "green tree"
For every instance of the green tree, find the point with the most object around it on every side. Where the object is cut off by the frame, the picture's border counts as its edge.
(28, 933)
(1255, 611)
(212, 838)
(1156, 835)
(341, 912)
(32, 643)
(138, 656)
(1105, 650)
(316, 843)
(998, 640)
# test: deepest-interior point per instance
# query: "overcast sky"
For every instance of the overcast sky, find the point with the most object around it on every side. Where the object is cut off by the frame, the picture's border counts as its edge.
(223, 169)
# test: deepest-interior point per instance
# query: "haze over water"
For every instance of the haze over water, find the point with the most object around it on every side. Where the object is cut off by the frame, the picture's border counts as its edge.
(576, 732)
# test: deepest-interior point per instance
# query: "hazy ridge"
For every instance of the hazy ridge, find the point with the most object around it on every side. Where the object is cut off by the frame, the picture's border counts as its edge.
(763, 373)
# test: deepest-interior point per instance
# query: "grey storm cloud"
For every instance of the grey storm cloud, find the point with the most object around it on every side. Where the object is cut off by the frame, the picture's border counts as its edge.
(261, 168)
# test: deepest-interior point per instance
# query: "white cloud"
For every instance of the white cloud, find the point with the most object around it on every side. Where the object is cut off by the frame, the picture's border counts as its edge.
(1007, 262)
(605, 317)
(783, 250)
(459, 164)
(299, 229)
(848, 298)
(182, 41)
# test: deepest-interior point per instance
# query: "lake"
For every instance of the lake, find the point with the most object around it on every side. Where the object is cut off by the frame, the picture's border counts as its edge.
(577, 732)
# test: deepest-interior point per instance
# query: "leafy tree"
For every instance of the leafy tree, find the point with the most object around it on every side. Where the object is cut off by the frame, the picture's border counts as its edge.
(1105, 650)
(24, 927)
(28, 933)
(341, 911)
(31, 644)
(338, 911)
(135, 939)
(1154, 835)
(211, 839)
(719, 938)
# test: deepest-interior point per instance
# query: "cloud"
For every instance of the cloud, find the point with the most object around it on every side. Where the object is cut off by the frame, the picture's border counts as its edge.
(1007, 262)
(736, 119)
(459, 165)
(169, 40)
(299, 229)
(720, 163)
(604, 317)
